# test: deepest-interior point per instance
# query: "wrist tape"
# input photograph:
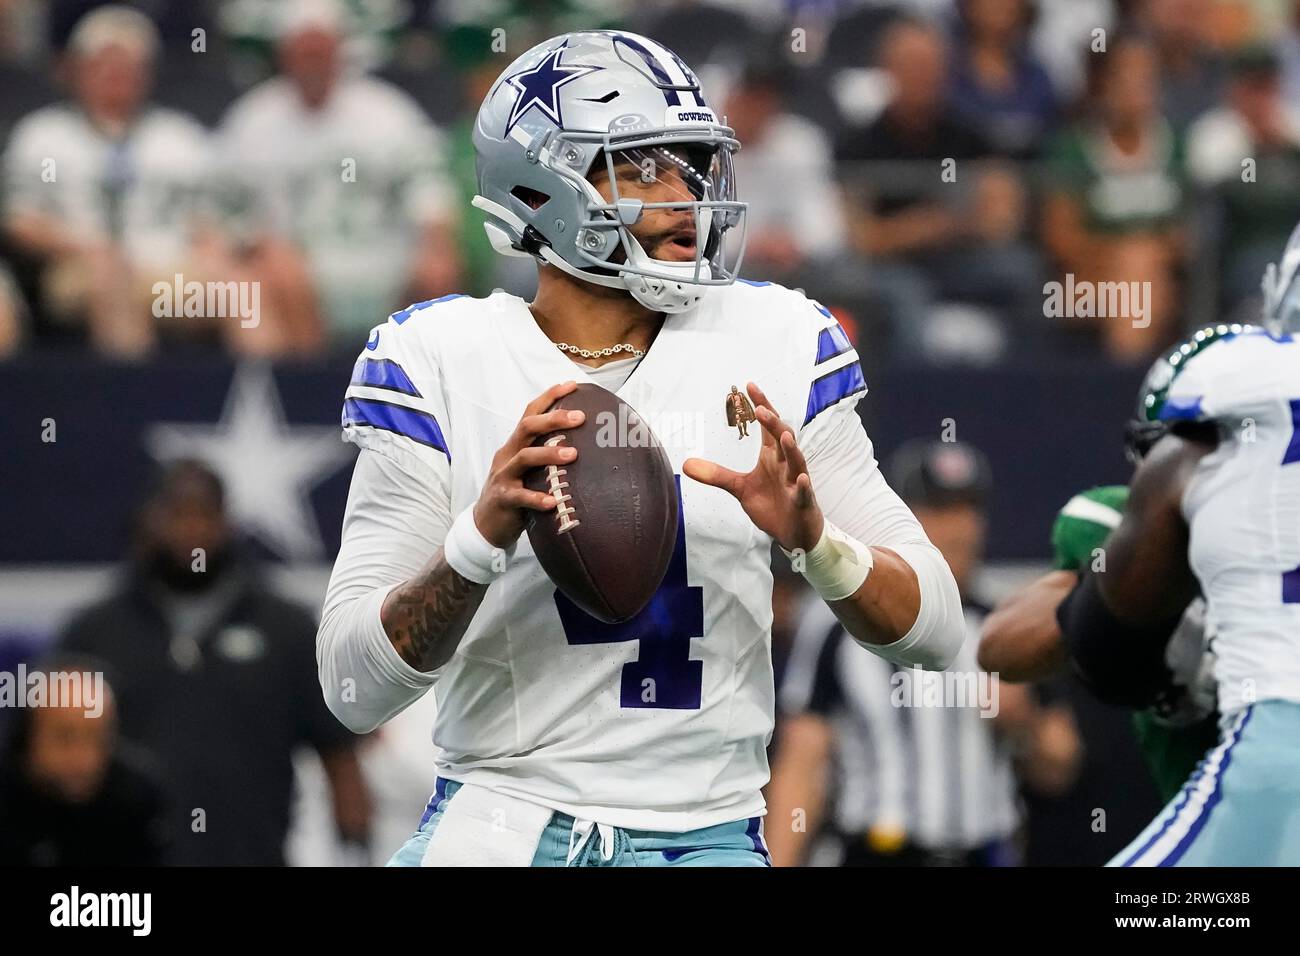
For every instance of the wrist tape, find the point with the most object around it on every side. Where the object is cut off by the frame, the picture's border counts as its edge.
(837, 565)
(471, 555)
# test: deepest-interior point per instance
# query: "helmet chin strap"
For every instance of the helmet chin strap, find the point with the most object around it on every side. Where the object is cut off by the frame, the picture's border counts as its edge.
(655, 293)
(667, 295)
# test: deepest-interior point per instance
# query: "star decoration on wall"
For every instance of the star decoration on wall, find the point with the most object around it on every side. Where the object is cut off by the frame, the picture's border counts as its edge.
(269, 467)
(540, 86)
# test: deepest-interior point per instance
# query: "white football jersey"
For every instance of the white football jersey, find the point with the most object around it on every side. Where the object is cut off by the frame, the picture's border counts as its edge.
(145, 189)
(660, 723)
(1243, 509)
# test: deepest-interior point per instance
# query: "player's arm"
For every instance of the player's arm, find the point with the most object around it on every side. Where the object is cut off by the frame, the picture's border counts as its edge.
(1020, 640)
(1147, 578)
(1117, 622)
(409, 578)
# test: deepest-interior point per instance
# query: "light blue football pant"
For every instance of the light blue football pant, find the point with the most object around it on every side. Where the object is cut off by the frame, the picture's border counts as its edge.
(727, 844)
(1241, 806)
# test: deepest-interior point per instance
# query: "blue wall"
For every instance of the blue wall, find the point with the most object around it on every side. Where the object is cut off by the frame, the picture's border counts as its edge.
(1048, 431)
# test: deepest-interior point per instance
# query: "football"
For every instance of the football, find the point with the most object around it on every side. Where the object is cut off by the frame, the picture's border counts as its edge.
(607, 543)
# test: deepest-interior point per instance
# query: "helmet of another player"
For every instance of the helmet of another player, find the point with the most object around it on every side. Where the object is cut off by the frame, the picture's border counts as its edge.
(1281, 286)
(1146, 428)
(598, 155)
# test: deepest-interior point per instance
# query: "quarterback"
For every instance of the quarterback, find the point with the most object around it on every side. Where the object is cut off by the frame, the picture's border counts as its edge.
(560, 739)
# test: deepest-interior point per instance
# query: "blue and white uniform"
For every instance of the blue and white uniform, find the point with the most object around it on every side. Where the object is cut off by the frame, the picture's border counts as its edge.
(656, 726)
(1242, 805)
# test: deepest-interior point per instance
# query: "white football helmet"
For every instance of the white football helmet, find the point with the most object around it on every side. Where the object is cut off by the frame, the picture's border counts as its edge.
(611, 98)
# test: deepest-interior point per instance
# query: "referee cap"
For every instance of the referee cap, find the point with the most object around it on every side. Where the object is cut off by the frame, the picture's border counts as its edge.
(936, 473)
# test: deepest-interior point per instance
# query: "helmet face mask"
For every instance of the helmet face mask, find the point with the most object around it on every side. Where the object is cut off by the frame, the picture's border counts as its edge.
(1281, 287)
(611, 131)
(658, 196)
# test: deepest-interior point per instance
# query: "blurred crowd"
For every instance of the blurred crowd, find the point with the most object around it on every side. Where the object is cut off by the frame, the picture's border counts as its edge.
(924, 167)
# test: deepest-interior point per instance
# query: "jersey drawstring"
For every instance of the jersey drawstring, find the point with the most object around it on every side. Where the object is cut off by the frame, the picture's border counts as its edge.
(580, 841)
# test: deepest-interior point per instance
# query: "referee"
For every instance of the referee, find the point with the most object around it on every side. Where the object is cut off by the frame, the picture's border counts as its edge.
(884, 766)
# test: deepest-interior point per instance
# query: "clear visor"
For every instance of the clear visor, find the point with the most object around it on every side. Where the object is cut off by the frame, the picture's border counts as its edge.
(674, 203)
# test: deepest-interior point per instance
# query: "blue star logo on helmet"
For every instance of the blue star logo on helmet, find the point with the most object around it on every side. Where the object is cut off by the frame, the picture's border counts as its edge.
(540, 87)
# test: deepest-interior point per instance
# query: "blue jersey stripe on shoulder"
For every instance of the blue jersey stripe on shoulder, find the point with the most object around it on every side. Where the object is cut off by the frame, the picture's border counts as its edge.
(831, 342)
(754, 282)
(832, 387)
(406, 313)
(1175, 410)
(417, 426)
(384, 373)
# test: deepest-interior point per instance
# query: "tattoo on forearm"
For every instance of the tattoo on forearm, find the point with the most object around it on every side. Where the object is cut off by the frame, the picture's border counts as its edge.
(426, 617)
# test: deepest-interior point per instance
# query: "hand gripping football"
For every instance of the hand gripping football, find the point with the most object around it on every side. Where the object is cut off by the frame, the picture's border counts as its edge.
(608, 541)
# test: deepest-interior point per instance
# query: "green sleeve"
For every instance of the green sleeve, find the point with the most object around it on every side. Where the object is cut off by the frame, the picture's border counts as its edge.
(1083, 525)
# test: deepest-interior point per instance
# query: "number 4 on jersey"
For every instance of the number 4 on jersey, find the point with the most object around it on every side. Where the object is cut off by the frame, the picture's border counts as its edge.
(663, 675)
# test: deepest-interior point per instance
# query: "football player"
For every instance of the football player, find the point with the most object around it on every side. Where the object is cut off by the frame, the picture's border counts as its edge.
(1212, 510)
(563, 740)
(1221, 515)
(1162, 670)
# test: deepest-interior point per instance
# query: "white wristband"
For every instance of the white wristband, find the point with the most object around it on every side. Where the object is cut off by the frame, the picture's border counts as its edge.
(836, 566)
(471, 555)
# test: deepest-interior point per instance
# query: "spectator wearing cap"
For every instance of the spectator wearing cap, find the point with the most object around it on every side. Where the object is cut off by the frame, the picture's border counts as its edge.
(216, 677)
(1246, 154)
(347, 170)
(876, 766)
(104, 193)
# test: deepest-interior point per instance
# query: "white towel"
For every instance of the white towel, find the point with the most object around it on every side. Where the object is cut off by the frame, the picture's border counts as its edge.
(479, 827)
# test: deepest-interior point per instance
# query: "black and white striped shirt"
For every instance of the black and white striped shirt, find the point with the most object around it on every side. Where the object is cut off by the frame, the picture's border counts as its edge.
(937, 772)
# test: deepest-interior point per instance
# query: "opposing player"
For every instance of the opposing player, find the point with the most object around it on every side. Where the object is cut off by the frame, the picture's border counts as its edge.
(1225, 514)
(1214, 508)
(1162, 669)
(599, 157)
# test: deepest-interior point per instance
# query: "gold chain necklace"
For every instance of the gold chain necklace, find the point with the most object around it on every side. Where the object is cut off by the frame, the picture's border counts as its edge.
(600, 353)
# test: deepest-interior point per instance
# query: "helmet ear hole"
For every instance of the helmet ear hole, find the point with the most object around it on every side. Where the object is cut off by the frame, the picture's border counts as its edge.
(532, 198)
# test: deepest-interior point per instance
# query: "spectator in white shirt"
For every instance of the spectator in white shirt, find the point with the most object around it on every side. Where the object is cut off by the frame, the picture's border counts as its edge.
(346, 168)
(104, 191)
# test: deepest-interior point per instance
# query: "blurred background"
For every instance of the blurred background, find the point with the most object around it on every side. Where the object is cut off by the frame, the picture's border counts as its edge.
(924, 168)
